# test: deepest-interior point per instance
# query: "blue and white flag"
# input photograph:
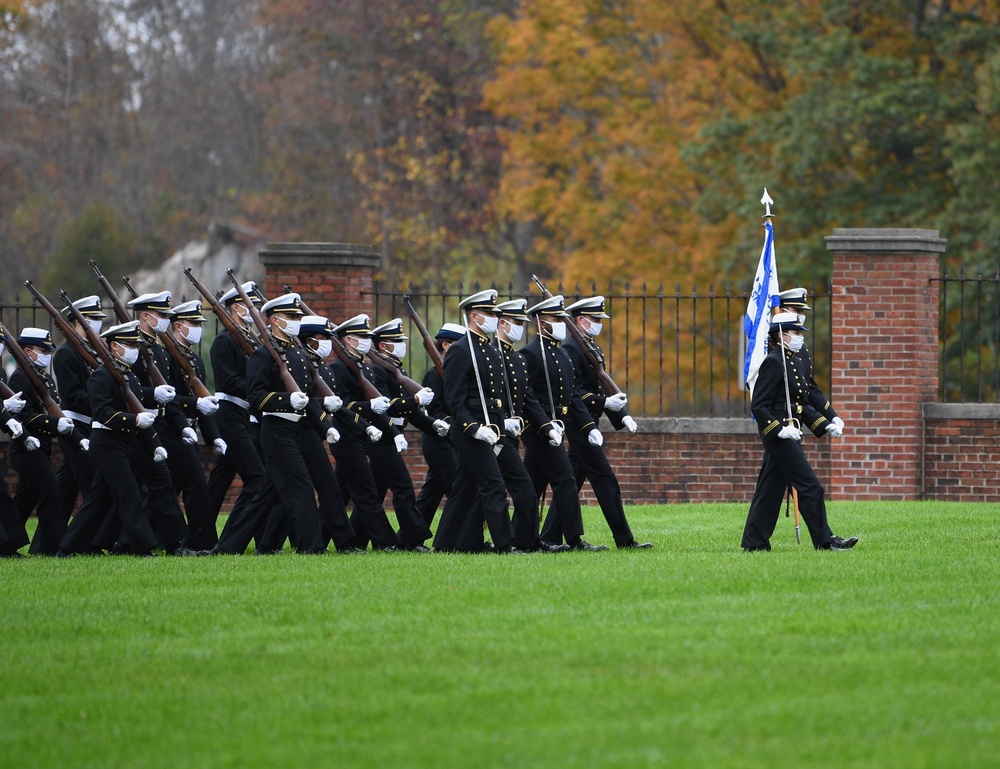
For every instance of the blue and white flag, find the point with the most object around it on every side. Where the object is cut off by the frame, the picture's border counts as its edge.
(763, 297)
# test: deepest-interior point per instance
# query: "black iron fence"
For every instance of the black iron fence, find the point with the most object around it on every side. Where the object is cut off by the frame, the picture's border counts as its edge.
(969, 334)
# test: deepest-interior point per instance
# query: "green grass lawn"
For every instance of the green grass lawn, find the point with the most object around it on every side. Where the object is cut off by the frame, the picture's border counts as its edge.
(693, 654)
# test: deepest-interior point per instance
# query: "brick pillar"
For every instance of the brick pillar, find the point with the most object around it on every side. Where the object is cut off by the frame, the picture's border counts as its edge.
(334, 279)
(885, 357)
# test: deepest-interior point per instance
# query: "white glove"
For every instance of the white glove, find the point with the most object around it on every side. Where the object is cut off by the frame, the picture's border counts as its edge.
(85, 444)
(486, 435)
(208, 405)
(15, 428)
(630, 424)
(400, 441)
(834, 430)
(790, 433)
(64, 426)
(332, 435)
(164, 394)
(298, 400)
(594, 438)
(839, 422)
(615, 402)
(159, 454)
(441, 427)
(424, 397)
(512, 425)
(380, 405)
(31, 443)
(221, 447)
(189, 436)
(555, 436)
(332, 403)
(144, 420)
(373, 433)
(14, 403)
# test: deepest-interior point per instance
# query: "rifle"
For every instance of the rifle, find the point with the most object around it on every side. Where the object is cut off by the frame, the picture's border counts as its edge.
(131, 400)
(436, 358)
(240, 336)
(66, 327)
(25, 364)
(607, 383)
(265, 337)
(369, 390)
(121, 312)
(195, 384)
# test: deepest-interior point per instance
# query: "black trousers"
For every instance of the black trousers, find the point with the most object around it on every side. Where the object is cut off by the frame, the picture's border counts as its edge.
(13, 535)
(390, 472)
(188, 476)
(75, 474)
(785, 465)
(550, 466)
(97, 522)
(478, 493)
(242, 457)
(36, 491)
(281, 441)
(357, 483)
(160, 501)
(590, 463)
(335, 525)
(442, 464)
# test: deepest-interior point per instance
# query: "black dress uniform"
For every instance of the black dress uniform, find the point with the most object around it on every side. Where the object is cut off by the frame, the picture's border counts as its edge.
(479, 491)
(438, 452)
(13, 535)
(75, 474)
(784, 461)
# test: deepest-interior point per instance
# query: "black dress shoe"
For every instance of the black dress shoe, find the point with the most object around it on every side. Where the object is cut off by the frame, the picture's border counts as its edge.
(509, 550)
(541, 546)
(15, 554)
(61, 553)
(351, 551)
(843, 544)
(633, 545)
(390, 549)
(418, 549)
(581, 545)
(186, 552)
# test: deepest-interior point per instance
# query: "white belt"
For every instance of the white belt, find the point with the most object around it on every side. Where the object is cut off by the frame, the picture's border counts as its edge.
(233, 399)
(283, 415)
(97, 425)
(397, 421)
(77, 416)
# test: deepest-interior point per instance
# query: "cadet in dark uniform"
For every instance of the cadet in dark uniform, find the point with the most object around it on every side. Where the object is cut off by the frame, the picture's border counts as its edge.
(282, 422)
(586, 448)
(442, 462)
(75, 474)
(784, 460)
(362, 423)
(551, 375)
(473, 389)
(13, 535)
(31, 455)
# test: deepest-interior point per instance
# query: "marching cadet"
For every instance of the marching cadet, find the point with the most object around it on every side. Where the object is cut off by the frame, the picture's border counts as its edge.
(586, 447)
(184, 462)
(473, 391)
(125, 452)
(13, 535)
(785, 463)
(75, 474)
(359, 479)
(550, 370)
(31, 455)
(240, 429)
(439, 454)
(282, 414)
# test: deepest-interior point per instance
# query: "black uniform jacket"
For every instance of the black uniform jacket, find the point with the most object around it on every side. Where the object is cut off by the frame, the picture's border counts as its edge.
(588, 387)
(462, 394)
(769, 405)
(562, 376)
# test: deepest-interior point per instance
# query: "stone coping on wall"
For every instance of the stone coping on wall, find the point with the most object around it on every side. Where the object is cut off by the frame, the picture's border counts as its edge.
(689, 426)
(886, 241)
(319, 255)
(962, 411)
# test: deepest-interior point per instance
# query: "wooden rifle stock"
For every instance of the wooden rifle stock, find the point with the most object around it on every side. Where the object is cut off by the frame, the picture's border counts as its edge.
(225, 318)
(194, 382)
(435, 354)
(131, 400)
(265, 337)
(66, 327)
(121, 312)
(380, 359)
(607, 383)
(25, 364)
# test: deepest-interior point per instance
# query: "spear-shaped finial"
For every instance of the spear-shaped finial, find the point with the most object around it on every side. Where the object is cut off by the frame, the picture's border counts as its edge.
(766, 200)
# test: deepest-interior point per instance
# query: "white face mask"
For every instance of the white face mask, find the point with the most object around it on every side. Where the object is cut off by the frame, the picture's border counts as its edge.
(399, 349)
(324, 349)
(489, 324)
(594, 329)
(364, 344)
(515, 332)
(291, 327)
(557, 331)
(95, 325)
(193, 335)
(161, 325)
(43, 360)
(129, 355)
(795, 342)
